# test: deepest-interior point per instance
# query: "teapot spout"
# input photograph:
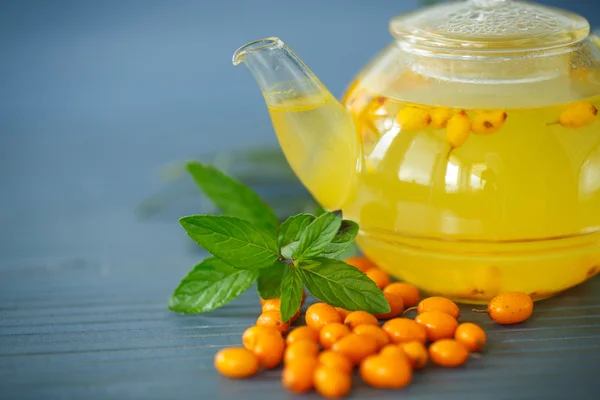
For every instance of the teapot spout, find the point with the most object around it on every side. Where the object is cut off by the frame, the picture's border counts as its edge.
(315, 131)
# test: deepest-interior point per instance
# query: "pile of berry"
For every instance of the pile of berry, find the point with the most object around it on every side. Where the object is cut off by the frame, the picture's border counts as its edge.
(323, 354)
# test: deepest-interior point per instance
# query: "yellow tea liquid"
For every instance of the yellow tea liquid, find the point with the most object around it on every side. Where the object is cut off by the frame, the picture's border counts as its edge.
(513, 209)
(313, 135)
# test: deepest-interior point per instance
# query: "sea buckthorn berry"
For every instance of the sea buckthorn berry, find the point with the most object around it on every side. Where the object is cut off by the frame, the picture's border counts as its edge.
(236, 362)
(320, 314)
(440, 117)
(331, 333)
(251, 335)
(380, 278)
(437, 303)
(437, 324)
(488, 122)
(376, 108)
(272, 304)
(302, 332)
(416, 353)
(266, 343)
(361, 263)
(275, 305)
(401, 330)
(509, 308)
(448, 353)
(392, 350)
(332, 383)
(373, 331)
(273, 319)
(578, 115)
(355, 347)
(396, 305)
(458, 129)
(298, 376)
(343, 313)
(300, 349)
(386, 372)
(356, 318)
(471, 336)
(335, 360)
(409, 293)
(412, 119)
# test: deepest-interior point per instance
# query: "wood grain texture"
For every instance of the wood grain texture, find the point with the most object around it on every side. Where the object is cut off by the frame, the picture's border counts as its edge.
(98, 341)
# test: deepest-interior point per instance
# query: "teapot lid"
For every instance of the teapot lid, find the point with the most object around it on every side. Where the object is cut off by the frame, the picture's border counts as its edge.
(490, 26)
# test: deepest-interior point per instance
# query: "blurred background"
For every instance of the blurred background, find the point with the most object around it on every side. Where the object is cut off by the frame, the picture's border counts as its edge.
(101, 101)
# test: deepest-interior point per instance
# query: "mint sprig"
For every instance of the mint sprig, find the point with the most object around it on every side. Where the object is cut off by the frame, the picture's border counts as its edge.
(250, 246)
(211, 284)
(232, 197)
(239, 243)
(269, 281)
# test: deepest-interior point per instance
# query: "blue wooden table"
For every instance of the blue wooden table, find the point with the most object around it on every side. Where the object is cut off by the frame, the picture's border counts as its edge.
(95, 99)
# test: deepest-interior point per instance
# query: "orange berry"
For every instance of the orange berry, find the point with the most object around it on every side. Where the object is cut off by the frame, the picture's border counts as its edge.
(409, 293)
(416, 353)
(236, 362)
(361, 263)
(298, 376)
(300, 349)
(437, 324)
(273, 319)
(356, 347)
(396, 305)
(331, 333)
(386, 372)
(251, 335)
(392, 350)
(332, 383)
(448, 353)
(373, 331)
(332, 359)
(275, 305)
(266, 343)
(380, 278)
(438, 303)
(320, 314)
(401, 330)
(356, 318)
(471, 336)
(510, 308)
(343, 313)
(272, 304)
(302, 332)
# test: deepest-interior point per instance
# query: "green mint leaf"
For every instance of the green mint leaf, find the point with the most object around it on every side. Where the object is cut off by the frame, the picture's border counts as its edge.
(341, 285)
(291, 293)
(290, 231)
(342, 240)
(211, 284)
(351, 251)
(269, 281)
(235, 241)
(232, 197)
(317, 236)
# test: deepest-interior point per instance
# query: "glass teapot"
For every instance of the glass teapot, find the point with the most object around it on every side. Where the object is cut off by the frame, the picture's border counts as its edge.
(468, 149)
